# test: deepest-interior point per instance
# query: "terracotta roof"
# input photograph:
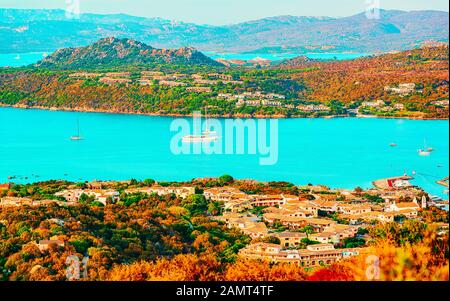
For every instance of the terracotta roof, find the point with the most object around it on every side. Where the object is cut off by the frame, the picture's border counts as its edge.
(290, 234)
(407, 205)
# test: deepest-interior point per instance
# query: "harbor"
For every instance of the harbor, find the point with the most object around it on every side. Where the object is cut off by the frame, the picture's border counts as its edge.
(118, 147)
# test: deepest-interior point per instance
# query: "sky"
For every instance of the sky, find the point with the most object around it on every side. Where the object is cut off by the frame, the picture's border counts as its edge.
(220, 12)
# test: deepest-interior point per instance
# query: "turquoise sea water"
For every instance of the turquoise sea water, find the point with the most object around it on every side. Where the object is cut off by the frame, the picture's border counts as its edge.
(283, 56)
(341, 153)
(23, 59)
(20, 59)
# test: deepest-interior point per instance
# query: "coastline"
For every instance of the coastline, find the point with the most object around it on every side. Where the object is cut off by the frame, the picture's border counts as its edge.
(381, 184)
(179, 168)
(244, 116)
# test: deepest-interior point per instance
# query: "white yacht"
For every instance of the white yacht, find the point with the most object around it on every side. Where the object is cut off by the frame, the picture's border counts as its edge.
(426, 151)
(198, 139)
(206, 136)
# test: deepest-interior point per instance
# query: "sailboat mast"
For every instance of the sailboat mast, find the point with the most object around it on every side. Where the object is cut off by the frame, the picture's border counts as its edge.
(206, 118)
(78, 127)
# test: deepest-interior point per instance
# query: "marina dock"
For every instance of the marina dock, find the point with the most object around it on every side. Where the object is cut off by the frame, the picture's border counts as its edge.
(394, 182)
(443, 182)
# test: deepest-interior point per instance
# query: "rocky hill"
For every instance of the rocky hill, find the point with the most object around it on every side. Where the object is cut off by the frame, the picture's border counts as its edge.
(113, 52)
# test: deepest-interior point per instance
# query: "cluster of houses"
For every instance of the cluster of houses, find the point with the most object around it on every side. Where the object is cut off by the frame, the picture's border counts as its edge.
(310, 108)
(195, 83)
(256, 99)
(99, 195)
(402, 89)
(287, 217)
(326, 217)
(251, 96)
(313, 255)
(203, 83)
(181, 192)
(21, 201)
(106, 196)
(441, 103)
(261, 102)
(97, 192)
(382, 106)
(114, 78)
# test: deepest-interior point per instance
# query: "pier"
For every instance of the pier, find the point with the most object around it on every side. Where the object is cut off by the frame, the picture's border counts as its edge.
(443, 182)
(394, 182)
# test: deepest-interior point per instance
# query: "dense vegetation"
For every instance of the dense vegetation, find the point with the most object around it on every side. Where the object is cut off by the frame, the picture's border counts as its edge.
(113, 52)
(146, 237)
(365, 79)
(150, 229)
(342, 85)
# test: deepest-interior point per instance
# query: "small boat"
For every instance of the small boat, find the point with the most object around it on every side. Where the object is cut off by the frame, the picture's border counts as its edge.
(77, 137)
(393, 145)
(198, 139)
(430, 149)
(424, 153)
(17, 57)
(206, 136)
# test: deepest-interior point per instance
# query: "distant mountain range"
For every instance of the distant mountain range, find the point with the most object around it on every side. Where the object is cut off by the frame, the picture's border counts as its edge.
(48, 30)
(114, 52)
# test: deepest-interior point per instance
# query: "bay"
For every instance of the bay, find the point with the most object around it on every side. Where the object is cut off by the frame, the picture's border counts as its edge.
(35, 145)
(20, 59)
(284, 56)
(24, 59)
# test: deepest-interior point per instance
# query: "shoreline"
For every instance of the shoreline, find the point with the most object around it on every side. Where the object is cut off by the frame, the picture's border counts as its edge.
(377, 184)
(384, 182)
(243, 116)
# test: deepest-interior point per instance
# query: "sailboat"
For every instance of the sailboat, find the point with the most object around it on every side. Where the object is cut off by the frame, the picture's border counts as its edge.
(426, 151)
(77, 137)
(206, 136)
(207, 131)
